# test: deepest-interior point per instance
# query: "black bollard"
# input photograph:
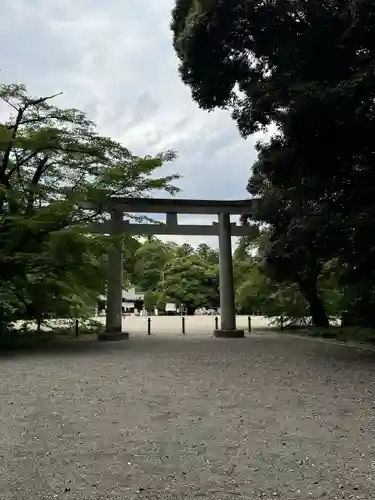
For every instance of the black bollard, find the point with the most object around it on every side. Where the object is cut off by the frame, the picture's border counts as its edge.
(76, 327)
(183, 325)
(281, 323)
(249, 323)
(148, 326)
(216, 323)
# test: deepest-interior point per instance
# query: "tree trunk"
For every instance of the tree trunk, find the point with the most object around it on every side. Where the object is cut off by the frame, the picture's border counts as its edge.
(316, 305)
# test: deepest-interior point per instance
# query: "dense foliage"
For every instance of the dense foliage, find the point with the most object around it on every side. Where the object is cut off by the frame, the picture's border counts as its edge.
(51, 161)
(182, 275)
(307, 67)
(189, 277)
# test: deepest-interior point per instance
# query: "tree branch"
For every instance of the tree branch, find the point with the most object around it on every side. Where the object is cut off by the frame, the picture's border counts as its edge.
(8, 150)
(39, 171)
(40, 100)
(18, 122)
(18, 165)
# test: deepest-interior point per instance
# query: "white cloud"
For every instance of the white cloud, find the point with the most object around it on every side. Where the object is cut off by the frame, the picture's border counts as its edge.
(115, 60)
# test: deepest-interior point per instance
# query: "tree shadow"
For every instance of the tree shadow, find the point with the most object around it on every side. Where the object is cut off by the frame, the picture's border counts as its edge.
(86, 345)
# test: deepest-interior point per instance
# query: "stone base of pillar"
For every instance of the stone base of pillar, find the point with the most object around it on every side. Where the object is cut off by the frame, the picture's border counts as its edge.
(112, 336)
(229, 334)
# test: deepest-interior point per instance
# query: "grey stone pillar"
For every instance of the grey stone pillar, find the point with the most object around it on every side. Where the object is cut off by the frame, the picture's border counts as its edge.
(227, 303)
(113, 326)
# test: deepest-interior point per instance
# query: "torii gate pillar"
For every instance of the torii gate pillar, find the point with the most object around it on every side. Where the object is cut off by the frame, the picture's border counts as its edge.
(113, 326)
(227, 301)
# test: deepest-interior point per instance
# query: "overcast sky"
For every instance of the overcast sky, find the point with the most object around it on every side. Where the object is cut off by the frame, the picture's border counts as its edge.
(115, 60)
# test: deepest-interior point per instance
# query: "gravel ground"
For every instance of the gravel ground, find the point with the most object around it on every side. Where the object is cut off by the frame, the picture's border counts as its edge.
(188, 418)
(171, 326)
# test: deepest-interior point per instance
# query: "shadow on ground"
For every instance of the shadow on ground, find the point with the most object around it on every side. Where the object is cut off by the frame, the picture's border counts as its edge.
(88, 345)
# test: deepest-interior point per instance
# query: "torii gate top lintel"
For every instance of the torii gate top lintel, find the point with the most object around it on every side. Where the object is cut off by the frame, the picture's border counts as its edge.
(175, 205)
(117, 206)
(172, 207)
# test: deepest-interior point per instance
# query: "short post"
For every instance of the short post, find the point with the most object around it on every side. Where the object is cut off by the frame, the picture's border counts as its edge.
(249, 323)
(281, 323)
(183, 324)
(148, 326)
(216, 323)
(76, 327)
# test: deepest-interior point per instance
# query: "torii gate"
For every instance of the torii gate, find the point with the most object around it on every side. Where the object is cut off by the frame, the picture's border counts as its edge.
(224, 229)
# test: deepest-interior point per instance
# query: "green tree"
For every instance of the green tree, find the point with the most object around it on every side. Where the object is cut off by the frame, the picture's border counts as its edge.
(297, 247)
(150, 300)
(52, 160)
(257, 290)
(161, 301)
(150, 260)
(332, 288)
(184, 250)
(308, 68)
(259, 294)
(192, 282)
(210, 255)
(260, 58)
(131, 246)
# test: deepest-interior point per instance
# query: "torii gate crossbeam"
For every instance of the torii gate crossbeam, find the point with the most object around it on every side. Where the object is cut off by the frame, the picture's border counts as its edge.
(172, 207)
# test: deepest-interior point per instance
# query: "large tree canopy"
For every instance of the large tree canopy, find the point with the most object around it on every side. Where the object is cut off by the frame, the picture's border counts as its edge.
(52, 160)
(259, 56)
(308, 67)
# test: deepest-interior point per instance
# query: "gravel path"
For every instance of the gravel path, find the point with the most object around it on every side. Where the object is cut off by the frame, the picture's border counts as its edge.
(154, 418)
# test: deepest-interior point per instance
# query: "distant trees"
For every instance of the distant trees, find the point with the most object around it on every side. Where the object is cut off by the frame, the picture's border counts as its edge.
(192, 281)
(179, 274)
(149, 262)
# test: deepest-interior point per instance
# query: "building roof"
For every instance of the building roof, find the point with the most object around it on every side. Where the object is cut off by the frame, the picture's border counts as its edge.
(130, 295)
